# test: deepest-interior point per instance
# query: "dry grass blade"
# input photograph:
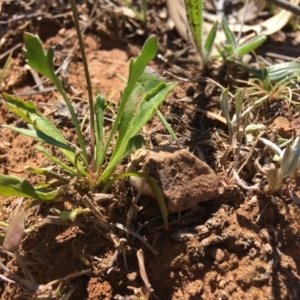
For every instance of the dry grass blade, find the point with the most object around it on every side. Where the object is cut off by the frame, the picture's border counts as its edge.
(271, 25)
(87, 200)
(143, 273)
(28, 285)
(68, 277)
(122, 227)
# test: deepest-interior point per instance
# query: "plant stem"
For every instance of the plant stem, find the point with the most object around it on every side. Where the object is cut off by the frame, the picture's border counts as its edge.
(89, 86)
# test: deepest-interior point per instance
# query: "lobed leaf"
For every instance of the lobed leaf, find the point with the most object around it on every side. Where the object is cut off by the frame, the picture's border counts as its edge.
(37, 58)
(42, 61)
(41, 128)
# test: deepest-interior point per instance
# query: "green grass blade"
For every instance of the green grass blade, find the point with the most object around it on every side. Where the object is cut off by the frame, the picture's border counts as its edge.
(210, 40)
(250, 45)
(167, 125)
(276, 150)
(280, 71)
(238, 108)
(56, 160)
(225, 110)
(230, 37)
(194, 12)
(100, 107)
(45, 172)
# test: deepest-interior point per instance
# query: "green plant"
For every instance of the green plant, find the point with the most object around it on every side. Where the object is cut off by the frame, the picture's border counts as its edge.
(194, 10)
(276, 82)
(288, 160)
(86, 172)
(234, 122)
(231, 50)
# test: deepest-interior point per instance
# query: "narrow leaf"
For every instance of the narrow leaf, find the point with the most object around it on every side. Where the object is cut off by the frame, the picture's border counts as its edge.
(100, 107)
(13, 186)
(194, 11)
(42, 61)
(136, 69)
(272, 146)
(210, 39)
(56, 160)
(27, 111)
(132, 124)
(47, 173)
(40, 136)
(167, 125)
(250, 45)
(230, 38)
(225, 110)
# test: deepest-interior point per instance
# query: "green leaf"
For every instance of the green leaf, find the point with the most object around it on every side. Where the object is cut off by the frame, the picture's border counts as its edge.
(134, 143)
(40, 136)
(100, 107)
(238, 108)
(136, 69)
(68, 215)
(225, 105)
(230, 38)
(210, 39)
(167, 125)
(140, 109)
(27, 111)
(13, 186)
(37, 58)
(194, 12)
(250, 45)
(47, 173)
(56, 160)
(42, 61)
(280, 71)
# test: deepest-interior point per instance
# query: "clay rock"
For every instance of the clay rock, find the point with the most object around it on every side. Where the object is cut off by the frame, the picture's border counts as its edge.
(185, 180)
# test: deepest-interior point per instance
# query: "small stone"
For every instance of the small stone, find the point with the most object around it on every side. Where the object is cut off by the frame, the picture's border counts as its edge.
(185, 180)
(222, 284)
(217, 254)
(285, 128)
(268, 248)
(132, 276)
